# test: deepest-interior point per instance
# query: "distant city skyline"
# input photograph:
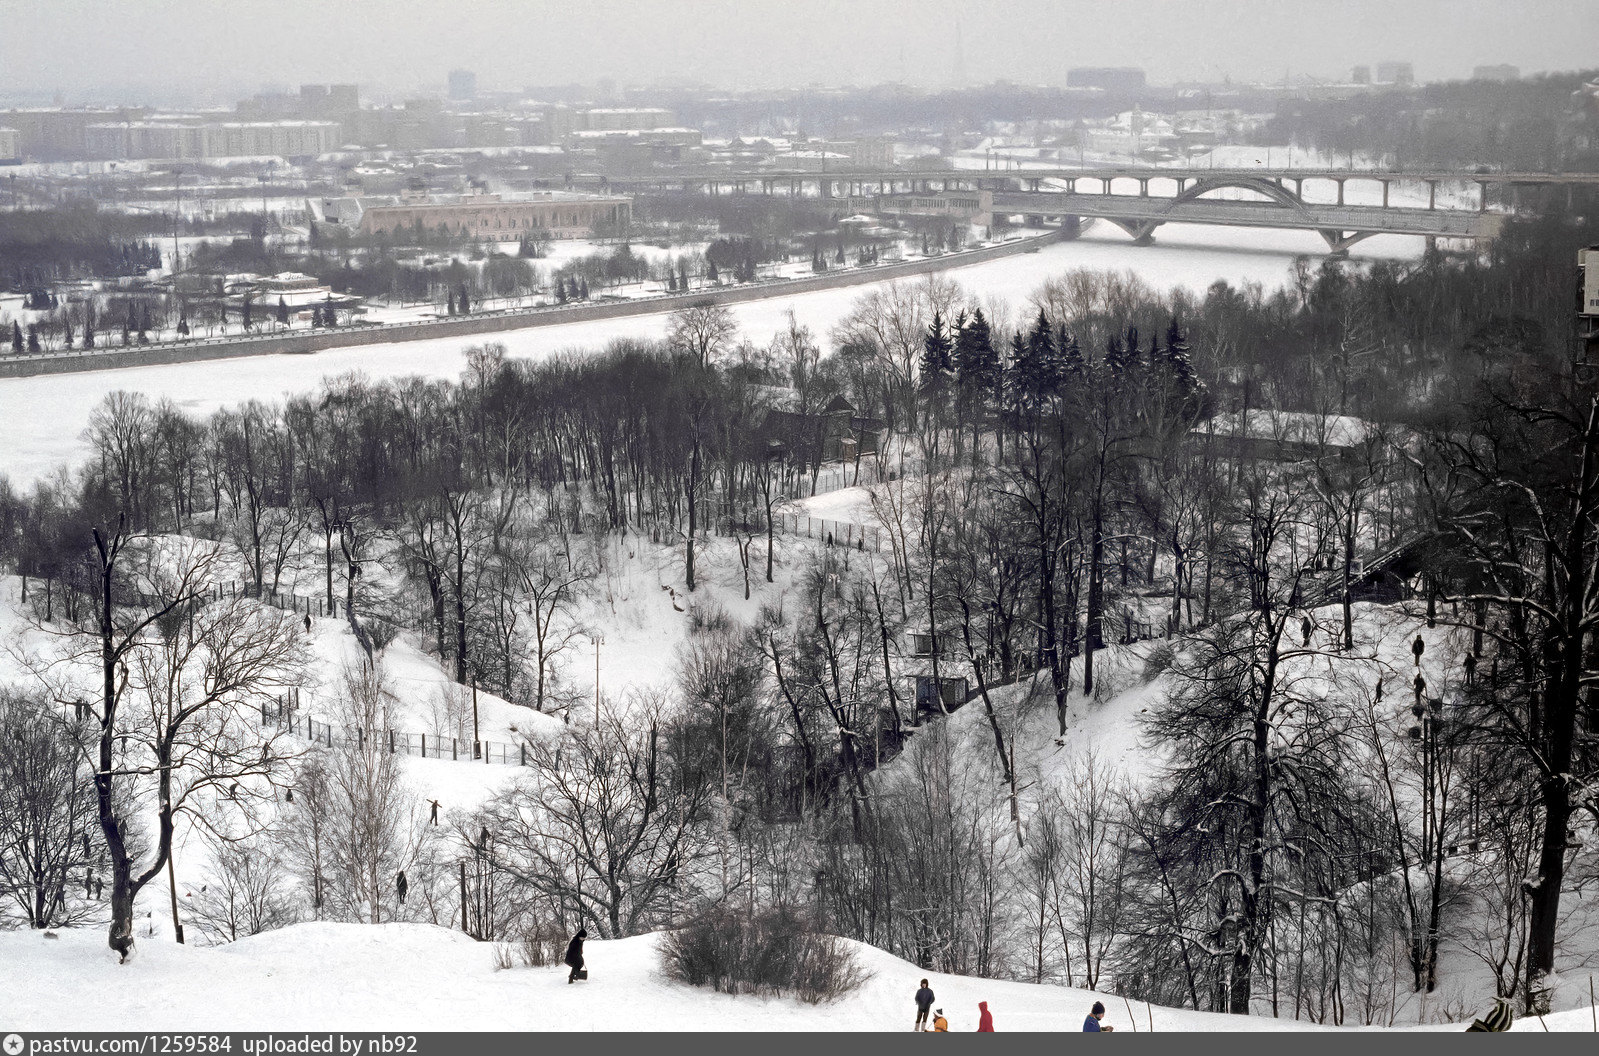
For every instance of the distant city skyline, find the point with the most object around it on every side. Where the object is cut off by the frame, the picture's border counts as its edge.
(187, 52)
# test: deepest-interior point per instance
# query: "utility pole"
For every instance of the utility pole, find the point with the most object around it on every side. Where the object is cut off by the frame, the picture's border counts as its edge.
(477, 743)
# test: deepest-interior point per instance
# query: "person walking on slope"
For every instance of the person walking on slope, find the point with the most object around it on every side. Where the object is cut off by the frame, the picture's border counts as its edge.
(574, 955)
(1091, 1025)
(924, 1001)
(940, 1024)
(985, 1021)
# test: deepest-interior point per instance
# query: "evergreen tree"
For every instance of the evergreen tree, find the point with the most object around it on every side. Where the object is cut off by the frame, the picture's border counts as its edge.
(682, 275)
(976, 362)
(245, 313)
(33, 338)
(449, 296)
(464, 301)
(560, 290)
(16, 338)
(183, 322)
(583, 290)
(1115, 362)
(66, 325)
(88, 331)
(936, 363)
(710, 270)
(283, 312)
(144, 319)
(1178, 367)
(1072, 365)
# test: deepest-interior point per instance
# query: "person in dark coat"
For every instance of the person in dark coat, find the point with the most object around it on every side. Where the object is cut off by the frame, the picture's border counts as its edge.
(924, 1004)
(574, 954)
(985, 1021)
(433, 819)
(1092, 1024)
(401, 885)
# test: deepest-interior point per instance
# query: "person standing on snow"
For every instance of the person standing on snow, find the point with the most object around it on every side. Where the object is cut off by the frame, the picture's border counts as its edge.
(985, 1021)
(924, 1001)
(940, 1024)
(1091, 1025)
(574, 954)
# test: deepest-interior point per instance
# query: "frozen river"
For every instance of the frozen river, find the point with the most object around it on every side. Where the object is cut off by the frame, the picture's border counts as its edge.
(42, 418)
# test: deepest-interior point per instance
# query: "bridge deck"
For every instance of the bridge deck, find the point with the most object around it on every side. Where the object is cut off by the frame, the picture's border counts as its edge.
(1443, 223)
(1129, 172)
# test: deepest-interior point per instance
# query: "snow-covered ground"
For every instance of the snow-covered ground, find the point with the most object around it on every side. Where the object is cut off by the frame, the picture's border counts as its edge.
(416, 977)
(42, 418)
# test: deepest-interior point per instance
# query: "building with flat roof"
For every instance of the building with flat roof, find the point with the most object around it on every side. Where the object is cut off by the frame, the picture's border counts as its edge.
(1501, 72)
(1395, 73)
(613, 118)
(194, 138)
(488, 217)
(60, 133)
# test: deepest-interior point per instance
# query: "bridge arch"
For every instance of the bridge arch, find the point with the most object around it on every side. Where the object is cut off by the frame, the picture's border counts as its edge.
(1271, 189)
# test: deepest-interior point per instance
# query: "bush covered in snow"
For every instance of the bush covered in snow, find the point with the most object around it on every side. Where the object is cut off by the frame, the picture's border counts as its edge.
(775, 951)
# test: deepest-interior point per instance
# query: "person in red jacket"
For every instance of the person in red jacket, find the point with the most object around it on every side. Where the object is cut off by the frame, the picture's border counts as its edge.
(985, 1022)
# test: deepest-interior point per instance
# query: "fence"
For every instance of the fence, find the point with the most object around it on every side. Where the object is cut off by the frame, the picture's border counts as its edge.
(284, 713)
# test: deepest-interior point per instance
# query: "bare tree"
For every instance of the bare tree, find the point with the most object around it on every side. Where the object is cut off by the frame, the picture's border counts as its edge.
(597, 826)
(703, 330)
(46, 812)
(179, 679)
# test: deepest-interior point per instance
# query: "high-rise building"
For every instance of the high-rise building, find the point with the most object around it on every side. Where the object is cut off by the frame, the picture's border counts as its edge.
(463, 85)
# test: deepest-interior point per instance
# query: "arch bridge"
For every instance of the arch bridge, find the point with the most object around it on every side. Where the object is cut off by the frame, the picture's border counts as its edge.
(1140, 200)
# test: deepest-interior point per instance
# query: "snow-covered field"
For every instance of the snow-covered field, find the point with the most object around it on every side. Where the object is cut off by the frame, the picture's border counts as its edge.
(42, 418)
(414, 977)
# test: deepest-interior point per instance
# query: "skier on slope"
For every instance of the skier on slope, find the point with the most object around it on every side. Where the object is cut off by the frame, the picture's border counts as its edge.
(574, 955)
(924, 1001)
(985, 1021)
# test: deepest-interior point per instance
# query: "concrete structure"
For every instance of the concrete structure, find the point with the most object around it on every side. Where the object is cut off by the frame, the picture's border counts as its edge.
(1503, 72)
(1340, 225)
(554, 214)
(1109, 78)
(58, 134)
(1395, 73)
(1281, 202)
(185, 139)
(463, 85)
(610, 119)
(10, 144)
(968, 207)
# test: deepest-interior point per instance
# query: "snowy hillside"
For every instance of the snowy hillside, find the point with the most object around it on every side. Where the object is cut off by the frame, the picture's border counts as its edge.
(409, 977)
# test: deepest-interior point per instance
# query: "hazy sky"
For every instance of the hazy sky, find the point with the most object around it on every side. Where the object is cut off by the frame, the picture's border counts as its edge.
(153, 50)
